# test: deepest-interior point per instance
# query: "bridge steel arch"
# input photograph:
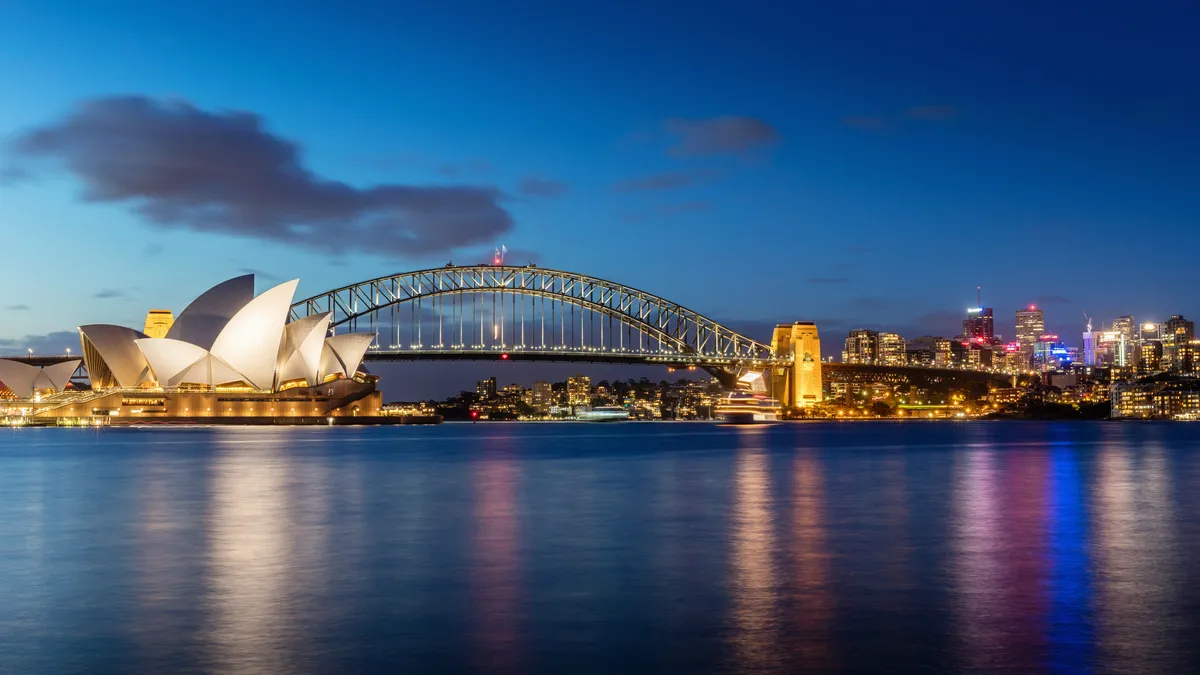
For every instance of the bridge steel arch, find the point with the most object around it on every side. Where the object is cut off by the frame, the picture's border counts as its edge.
(666, 332)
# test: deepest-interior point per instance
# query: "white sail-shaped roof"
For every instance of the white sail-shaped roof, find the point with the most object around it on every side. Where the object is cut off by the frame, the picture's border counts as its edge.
(209, 371)
(169, 359)
(111, 355)
(23, 379)
(18, 377)
(207, 316)
(58, 376)
(250, 342)
(303, 341)
(344, 353)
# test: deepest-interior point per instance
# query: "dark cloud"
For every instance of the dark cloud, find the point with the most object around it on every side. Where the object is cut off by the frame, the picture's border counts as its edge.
(110, 294)
(532, 186)
(828, 280)
(667, 180)
(725, 135)
(1052, 300)
(223, 172)
(266, 276)
(867, 122)
(50, 344)
(153, 248)
(932, 113)
(18, 308)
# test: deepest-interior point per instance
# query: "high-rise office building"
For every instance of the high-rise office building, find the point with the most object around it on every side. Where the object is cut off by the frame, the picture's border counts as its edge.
(1150, 357)
(579, 390)
(1031, 325)
(862, 347)
(1124, 346)
(486, 389)
(979, 325)
(158, 323)
(890, 350)
(1177, 336)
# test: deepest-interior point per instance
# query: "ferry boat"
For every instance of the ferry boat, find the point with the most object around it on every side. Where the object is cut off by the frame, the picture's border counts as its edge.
(603, 413)
(743, 407)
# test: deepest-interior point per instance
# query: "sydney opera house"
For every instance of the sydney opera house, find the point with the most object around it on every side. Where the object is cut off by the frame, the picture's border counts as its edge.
(229, 355)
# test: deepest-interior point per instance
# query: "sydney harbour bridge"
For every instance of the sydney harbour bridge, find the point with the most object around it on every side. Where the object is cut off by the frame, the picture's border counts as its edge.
(526, 313)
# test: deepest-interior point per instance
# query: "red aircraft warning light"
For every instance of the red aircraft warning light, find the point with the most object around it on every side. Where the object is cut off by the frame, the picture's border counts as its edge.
(504, 357)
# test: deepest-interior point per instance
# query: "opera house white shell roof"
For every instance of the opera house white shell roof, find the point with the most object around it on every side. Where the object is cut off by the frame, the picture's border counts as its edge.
(24, 379)
(226, 338)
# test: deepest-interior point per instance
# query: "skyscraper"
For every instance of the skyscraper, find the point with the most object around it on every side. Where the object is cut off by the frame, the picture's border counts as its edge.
(1031, 325)
(579, 390)
(862, 347)
(486, 389)
(890, 350)
(1124, 327)
(979, 325)
(1177, 336)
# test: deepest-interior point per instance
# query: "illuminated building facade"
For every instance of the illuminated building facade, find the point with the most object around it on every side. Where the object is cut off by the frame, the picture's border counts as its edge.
(1177, 336)
(579, 390)
(229, 353)
(486, 389)
(1150, 357)
(891, 350)
(1126, 341)
(1031, 324)
(797, 386)
(862, 347)
(979, 326)
(158, 323)
(1159, 397)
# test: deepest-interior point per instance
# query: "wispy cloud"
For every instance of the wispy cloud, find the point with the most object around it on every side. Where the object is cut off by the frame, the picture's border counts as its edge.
(532, 186)
(932, 113)
(725, 135)
(666, 180)
(18, 308)
(110, 294)
(51, 343)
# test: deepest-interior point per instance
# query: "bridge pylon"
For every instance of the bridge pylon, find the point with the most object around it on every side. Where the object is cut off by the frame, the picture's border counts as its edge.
(797, 384)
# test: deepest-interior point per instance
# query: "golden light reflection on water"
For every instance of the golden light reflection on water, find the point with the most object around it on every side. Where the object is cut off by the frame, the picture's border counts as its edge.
(977, 567)
(496, 572)
(248, 559)
(754, 586)
(1137, 574)
(814, 596)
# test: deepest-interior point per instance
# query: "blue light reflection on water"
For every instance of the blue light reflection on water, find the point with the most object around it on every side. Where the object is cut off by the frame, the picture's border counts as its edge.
(626, 548)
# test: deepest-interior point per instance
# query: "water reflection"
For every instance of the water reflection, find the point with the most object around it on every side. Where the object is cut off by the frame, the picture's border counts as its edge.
(496, 569)
(754, 585)
(814, 595)
(1138, 577)
(248, 559)
(977, 568)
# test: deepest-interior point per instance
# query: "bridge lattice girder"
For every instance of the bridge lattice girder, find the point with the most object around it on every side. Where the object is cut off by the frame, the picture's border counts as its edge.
(672, 327)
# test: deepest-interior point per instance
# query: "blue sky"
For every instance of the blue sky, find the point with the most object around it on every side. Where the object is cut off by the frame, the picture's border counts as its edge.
(918, 149)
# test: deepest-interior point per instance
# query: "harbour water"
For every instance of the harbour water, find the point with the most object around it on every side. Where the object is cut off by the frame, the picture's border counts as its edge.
(624, 548)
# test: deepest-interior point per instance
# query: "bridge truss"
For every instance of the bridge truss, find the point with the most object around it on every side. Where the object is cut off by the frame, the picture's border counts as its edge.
(529, 313)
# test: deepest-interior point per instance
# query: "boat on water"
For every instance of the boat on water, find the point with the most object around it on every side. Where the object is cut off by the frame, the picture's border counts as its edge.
(743, 407)
(603, 413)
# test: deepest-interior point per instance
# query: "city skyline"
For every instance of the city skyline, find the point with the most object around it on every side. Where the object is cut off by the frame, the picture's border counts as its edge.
(913, 177)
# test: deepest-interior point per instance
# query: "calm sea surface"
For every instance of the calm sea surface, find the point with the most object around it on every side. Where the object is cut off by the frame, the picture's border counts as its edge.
(622, 548)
